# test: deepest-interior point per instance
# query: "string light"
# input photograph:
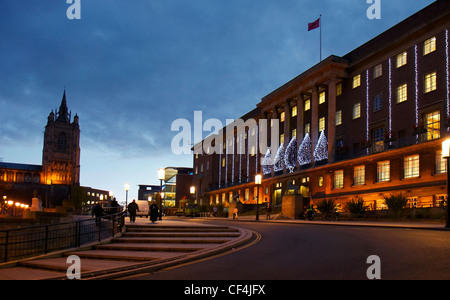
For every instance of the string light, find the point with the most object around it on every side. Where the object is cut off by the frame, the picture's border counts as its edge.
(290, 157)
(367, 108)
(448, 75)
(267, 163)
(304, 151)
(278, 161)
(390, 99)
(220, 164)
(416, 71)
(321, 151)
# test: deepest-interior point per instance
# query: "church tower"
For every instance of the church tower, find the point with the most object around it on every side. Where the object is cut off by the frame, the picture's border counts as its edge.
(61, 154)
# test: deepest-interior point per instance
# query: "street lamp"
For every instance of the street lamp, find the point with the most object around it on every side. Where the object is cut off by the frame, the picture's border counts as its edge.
(192, 192)
(161, 177)
(446, 155)
(127, 187)
(258, 179)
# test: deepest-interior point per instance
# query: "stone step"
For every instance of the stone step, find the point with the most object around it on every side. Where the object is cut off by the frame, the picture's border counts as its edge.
(154, 247)
(171, 240)
(178, 229)
(182, 234)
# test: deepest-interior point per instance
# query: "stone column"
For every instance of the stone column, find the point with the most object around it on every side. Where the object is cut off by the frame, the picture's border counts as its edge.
(331, 120)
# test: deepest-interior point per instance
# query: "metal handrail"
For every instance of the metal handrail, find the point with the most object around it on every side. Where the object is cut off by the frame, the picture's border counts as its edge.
(22, 243)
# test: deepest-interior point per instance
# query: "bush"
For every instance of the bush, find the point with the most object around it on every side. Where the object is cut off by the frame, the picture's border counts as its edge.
(327, 206)
(356, 206)
(395, 203)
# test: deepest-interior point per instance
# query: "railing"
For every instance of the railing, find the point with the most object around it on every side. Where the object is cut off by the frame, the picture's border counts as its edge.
(21, 243)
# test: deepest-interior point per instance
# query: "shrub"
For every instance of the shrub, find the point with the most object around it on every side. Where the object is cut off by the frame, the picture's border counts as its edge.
(356, 206)
(327, 206)
(395, 203)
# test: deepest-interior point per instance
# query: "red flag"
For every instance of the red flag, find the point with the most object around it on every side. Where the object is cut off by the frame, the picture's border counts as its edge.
(314, 25)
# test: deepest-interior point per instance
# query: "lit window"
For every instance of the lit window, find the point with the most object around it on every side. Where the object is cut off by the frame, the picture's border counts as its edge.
(356, 111)
(429, 46)
(282, 117)
(282, 138)
(294, 111)
(411, 166)
(356, 81)
(402, 93)
(359, 175)
(441, 163)
(384, 171)
(339, 179)
(322, 97)
(378, 139)
(430, 82)
(402, 59)
(307, 128)
(307, 104)
(378, 71)
(433, 125)
(339, 89)
(294, 133)
(321, 124)
(339, 117)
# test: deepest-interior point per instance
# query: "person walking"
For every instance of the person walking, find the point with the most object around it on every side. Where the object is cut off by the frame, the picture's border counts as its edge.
(268, 211)
(133, 208)
(153, 212)
(98, 212)
(235, 214)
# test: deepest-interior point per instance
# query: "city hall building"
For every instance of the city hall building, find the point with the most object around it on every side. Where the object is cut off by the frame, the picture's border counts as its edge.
(367, 124)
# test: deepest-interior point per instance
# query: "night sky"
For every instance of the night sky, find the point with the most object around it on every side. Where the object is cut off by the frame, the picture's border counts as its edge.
(132, 67)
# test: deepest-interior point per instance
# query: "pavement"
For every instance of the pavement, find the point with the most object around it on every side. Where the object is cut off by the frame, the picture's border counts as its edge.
(147, 247)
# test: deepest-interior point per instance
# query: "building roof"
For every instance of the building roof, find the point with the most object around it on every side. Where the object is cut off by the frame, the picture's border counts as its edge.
(23, 167)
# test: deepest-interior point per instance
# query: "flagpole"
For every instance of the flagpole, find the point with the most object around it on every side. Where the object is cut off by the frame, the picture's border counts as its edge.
(320, 18)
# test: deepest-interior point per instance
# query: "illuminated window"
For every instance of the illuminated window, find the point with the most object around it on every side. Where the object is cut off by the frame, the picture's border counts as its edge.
(430, 82)
(356, 81)
(322, 97)
(402, 59)
(384, 171)
(429, 46)
(294, 133)
(282, 138)
(339, 117)
(294, 111)
(356, 111)
(433, 125)
(359, 175)
(441, 163)
(411, 166)
(282, 117)
(307, 104)
(378, 139)
(223, 162)
(378, 71)
(339, 89)
(321, 124)
(402, 93)
(339, 179)
(307, 128)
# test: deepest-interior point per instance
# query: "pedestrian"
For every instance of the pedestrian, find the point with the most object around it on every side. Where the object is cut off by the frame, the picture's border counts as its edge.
(153, 212)
(235, 213)
(215, 211)
(268, 211)
(114, 206)
(310, 212)
(133, 208)
(98, 212)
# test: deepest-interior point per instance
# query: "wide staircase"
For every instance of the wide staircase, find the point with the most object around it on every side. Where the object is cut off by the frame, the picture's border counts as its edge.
(141, 248)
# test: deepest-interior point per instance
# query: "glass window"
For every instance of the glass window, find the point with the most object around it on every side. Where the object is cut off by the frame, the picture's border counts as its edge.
(402, 93)
(384, 171)
(429, 46)
(322, 97)
(378, 103)
(378, 139)
(321, 124)
(339, 179)
(433, 125)
(307, 128)
(402, 59)
(339, 117)
(294, 111)
(359, 175)
(339, 89)
(356, 111)
(378, 71)
(307, 104)
(411, 166)
(356, 81)
(430, 82)
(282, 117)
(441, 163)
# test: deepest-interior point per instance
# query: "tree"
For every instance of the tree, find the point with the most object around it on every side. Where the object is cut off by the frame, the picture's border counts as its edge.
(395, 203)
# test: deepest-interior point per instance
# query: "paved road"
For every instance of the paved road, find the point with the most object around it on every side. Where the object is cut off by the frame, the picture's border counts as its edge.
(299, 251)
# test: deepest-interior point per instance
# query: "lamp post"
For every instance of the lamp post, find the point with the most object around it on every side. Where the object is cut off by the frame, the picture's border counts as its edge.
(127, 187)
(258, 179)
(161, 177)
(192, 192)
(446, 155)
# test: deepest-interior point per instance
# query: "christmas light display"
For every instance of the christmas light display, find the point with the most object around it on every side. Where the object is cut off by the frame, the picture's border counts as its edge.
(367, 110)
(416, 80)
(321, 151)
(278, 161)
(267, 163)
(290, 156)
(304, 151)
(448, 75)
(390, 99)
